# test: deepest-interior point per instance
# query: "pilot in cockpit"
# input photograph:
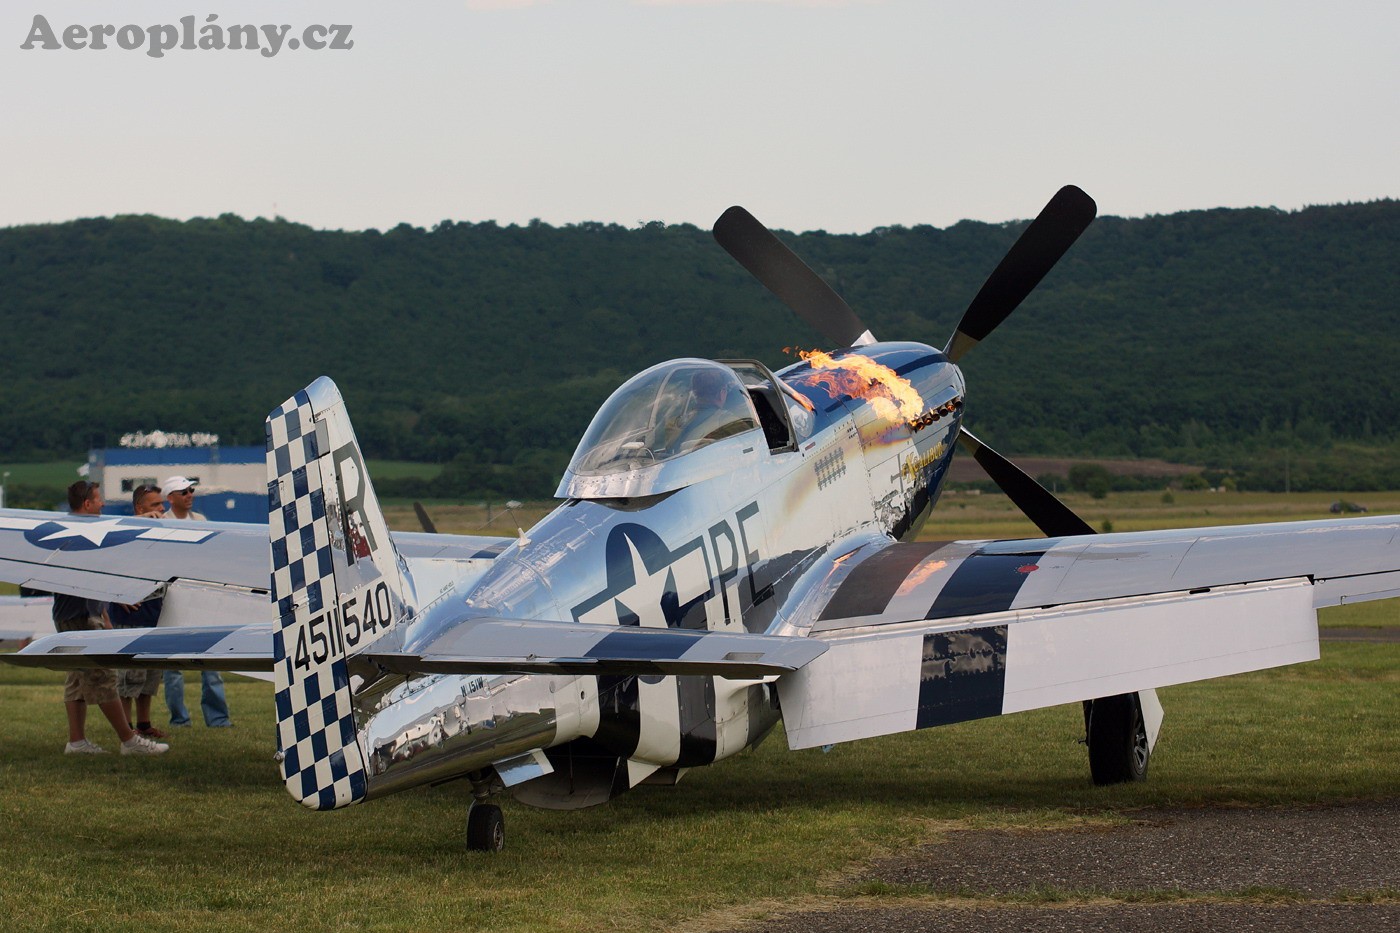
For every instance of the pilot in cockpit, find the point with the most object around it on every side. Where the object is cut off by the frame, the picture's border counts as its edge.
(663, 413)
(713, 411)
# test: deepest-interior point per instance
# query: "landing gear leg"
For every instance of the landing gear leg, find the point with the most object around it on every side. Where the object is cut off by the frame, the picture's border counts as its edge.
(486, 828)
(1119, 748)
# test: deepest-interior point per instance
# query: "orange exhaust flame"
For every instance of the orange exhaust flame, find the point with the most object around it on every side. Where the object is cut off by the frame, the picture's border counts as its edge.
(891, 395)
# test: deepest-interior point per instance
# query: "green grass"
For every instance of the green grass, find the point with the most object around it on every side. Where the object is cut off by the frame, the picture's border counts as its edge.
(1380, 613)
(992, 515)
(402, 469)
(206, 838)
(53, 473)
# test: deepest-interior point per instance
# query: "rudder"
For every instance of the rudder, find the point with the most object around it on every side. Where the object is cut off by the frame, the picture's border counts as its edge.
(338, 584)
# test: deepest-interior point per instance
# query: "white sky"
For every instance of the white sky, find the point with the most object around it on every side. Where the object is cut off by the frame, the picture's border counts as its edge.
(832, 114)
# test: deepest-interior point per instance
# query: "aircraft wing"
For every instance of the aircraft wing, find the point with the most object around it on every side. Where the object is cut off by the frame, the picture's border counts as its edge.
(209, 572)
(925, 634)
(475, 646)
(201, 647)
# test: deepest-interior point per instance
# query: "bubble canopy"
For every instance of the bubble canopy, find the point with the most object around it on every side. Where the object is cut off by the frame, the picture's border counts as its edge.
(659, 416)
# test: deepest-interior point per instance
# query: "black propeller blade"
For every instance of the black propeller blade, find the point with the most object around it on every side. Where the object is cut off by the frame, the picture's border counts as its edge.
(788, 277)
(1042, 244)
(423, 518)
(1050, 515)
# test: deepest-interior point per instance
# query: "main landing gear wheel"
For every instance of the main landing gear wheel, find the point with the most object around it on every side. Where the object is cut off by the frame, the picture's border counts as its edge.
(486, 828)
(1118, 747)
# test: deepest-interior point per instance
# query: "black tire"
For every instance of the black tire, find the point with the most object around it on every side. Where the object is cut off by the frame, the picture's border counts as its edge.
(1118, 749)
(486, 828)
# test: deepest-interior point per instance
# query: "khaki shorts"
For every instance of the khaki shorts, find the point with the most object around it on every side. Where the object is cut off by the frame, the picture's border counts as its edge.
(142, 682)
(95, 685)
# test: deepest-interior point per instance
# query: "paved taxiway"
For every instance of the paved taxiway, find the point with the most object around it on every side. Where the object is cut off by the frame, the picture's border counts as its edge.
(1318, 869)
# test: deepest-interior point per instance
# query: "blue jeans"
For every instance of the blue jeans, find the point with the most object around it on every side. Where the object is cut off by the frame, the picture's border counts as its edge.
(211, 698)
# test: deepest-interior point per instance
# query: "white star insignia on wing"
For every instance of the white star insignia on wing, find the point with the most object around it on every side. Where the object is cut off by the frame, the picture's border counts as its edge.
(96, 532)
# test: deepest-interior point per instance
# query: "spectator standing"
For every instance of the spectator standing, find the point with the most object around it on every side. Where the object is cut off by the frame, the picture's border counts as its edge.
(139, 685)
(96, 686)
(179, 493)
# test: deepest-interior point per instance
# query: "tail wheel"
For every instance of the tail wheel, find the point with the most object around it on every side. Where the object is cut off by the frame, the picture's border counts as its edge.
(486, 828)
(1118, 746)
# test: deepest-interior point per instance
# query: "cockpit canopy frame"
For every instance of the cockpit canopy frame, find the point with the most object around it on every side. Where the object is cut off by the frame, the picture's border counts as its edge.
(783, 412)
(672, 425)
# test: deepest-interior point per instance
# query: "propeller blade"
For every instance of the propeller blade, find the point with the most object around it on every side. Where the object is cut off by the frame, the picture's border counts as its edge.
(1050, 515)
(1042, 244)
(792, 280)
(423, 518)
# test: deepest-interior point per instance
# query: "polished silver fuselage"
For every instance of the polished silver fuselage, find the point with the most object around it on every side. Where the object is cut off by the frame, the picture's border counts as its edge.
(736, 551)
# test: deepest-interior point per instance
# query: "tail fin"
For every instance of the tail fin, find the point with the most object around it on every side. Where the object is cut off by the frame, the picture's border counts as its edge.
(338, 583)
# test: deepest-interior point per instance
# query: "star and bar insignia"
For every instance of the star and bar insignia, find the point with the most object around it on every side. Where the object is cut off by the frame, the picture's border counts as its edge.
(80, 534)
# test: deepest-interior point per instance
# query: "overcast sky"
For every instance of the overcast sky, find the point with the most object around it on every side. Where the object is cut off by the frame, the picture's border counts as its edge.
(834, 114)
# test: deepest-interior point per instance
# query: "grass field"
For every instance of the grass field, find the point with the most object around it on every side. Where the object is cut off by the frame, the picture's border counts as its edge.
(401, 469)
(53, 473)
(992, 515)
(206, 838)
(966, 515)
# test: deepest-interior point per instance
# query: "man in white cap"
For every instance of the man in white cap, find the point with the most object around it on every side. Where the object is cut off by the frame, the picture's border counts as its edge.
(179, 492)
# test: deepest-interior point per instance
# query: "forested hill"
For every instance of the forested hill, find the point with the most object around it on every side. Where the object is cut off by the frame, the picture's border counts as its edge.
(1161, 335)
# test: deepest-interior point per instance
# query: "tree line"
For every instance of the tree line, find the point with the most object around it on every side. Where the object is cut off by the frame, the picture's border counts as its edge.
(1221, 337)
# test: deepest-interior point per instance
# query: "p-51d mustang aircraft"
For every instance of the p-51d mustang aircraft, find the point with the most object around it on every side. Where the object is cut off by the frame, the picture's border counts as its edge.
(735, 548)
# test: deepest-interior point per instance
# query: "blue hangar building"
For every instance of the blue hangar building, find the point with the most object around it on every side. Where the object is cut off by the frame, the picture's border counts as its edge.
(232, 480)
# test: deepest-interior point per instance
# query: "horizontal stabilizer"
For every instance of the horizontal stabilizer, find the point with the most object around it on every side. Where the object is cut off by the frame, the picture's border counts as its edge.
(125, 559)
(110, 588)
(530, 646)
(202, 647)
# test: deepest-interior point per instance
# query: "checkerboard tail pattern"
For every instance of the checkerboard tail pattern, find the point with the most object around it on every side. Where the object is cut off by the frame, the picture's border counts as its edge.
(321, 760)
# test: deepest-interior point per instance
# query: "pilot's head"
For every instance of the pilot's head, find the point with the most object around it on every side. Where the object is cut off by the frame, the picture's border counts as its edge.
(710, 387)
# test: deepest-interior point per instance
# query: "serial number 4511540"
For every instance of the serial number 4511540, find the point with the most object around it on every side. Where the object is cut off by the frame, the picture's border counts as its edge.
(334, 633)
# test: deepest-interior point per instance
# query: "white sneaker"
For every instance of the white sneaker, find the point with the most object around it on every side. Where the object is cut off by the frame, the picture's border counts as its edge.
(140, 745)
(84, 748)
